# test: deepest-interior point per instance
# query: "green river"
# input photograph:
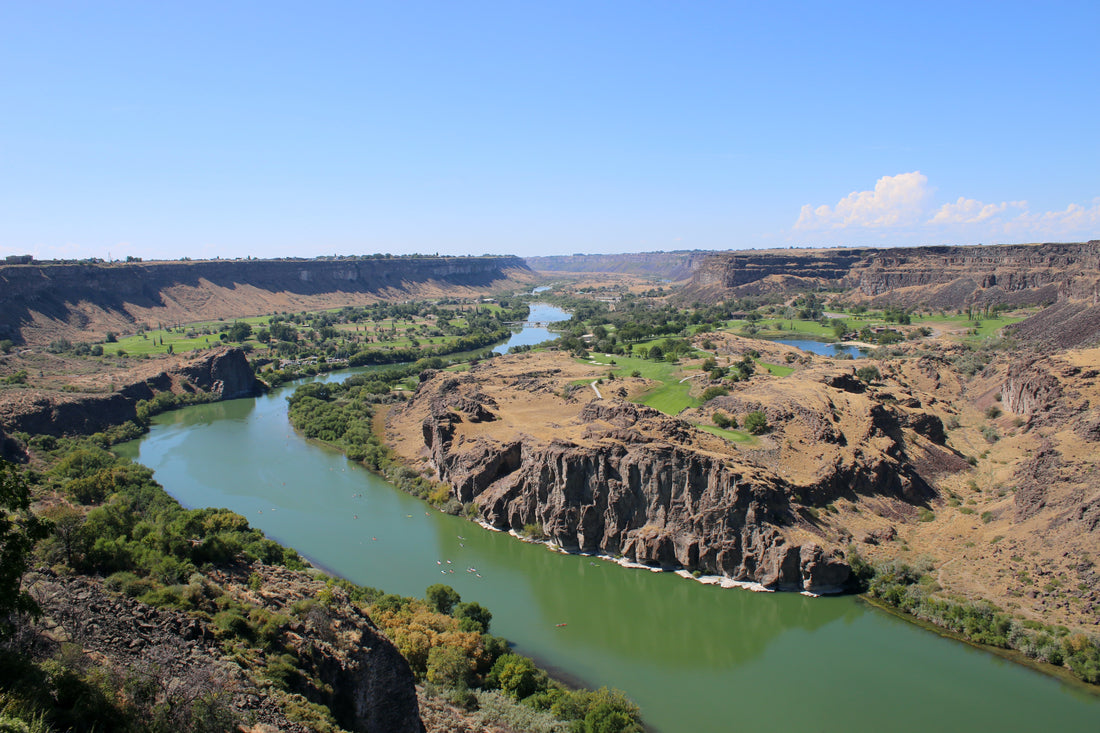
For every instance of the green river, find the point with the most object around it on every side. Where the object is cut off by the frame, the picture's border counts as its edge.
(694, 657)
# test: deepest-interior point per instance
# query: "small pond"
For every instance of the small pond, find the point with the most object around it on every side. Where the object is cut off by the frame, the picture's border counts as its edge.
(823, 348)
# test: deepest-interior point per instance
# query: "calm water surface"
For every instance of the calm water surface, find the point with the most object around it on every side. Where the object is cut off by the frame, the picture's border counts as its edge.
(530, 335)
(696, 658)
(823, 348)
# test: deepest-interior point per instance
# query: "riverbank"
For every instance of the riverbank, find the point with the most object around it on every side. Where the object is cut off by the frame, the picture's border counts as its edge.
(1065, 676)
(677, 647)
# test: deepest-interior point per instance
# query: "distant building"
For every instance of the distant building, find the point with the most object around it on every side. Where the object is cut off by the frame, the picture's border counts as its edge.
(19, 259)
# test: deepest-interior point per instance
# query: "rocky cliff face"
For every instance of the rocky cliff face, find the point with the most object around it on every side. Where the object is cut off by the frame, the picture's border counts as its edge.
(224, 373)
(735, 269)
(942, 277)
(1030, 388)
(39, 302)
(364, 680)
(611, 477)
(669, 265)
(1016, 274)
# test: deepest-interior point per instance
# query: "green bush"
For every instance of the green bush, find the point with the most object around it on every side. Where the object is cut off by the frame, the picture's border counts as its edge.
(714, 391)
(868, 374)
(756, 422)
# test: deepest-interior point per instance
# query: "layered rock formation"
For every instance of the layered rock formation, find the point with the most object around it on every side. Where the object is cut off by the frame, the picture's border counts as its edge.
(673, 266)
(611, 477)
(937, 277)
(39, 303)
(222, 373)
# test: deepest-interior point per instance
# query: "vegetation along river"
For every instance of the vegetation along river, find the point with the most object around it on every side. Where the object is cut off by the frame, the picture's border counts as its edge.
(695, 657)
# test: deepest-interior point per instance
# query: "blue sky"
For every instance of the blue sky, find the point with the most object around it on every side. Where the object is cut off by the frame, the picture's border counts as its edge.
(161, 130)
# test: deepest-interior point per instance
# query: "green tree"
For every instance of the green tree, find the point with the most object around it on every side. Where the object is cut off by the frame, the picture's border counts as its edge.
(442, 598)
(450, 667)
(517, 676)
(68, 530)
(473, 617)
(239, 331)
(605, 718)
(19, 531)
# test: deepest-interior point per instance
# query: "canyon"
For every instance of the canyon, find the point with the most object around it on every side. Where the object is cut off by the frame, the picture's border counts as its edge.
(43, 302)
(100, 400)
(601, 475)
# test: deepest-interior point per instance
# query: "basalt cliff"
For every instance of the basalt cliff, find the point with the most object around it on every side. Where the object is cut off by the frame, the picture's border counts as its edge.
(89, 404)
(42, 302)
(935, 277)
(598, 474)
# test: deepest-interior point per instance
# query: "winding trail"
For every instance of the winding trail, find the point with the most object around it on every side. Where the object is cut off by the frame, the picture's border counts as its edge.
(597, 391)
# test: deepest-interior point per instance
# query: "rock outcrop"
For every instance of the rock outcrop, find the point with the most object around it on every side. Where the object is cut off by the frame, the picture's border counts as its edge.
(1030, 388)
(937, 277)
(223, 373)
(226, 374)
(611, 477)
(363, 678)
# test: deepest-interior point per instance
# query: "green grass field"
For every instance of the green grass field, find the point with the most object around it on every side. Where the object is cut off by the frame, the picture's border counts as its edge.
(671, 397)
(782, 328)
(206, 334)
(776, 370)
(736, 436)
(988, 329)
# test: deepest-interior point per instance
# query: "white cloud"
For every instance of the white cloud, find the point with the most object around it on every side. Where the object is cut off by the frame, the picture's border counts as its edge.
(1076, 221)
(899, 209)
(971, 211)
(896, 201)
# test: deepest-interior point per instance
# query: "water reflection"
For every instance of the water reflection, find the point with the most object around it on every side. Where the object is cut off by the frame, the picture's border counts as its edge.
(694, 657)
(823, 348)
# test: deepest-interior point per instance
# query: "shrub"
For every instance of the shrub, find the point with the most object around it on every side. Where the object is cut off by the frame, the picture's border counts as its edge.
(756, 422)
(868, 374)
(721, 420)
(715, 391)
(533, 531)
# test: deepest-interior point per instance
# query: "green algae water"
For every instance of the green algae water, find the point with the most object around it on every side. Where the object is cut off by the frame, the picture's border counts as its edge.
(694, 657)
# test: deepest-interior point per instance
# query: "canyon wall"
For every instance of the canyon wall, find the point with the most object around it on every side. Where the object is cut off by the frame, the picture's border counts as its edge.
(40, 302)
(673, 266)
(223, 374)
(605, 476)
(938, 277)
